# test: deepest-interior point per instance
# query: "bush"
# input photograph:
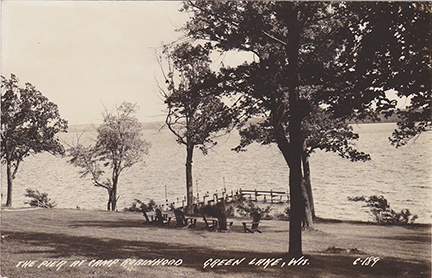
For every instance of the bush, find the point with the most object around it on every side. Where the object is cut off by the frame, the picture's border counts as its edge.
(230, 211)
(380, 208)
(39, 199)
(284, 215)
(215, 210)
(151, 205)
(135, 206)
(139, 206)
(249, 208)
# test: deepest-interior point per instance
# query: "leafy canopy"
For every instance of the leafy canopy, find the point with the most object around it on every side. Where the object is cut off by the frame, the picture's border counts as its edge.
(119, 145)
(196, 111)
(29, 122)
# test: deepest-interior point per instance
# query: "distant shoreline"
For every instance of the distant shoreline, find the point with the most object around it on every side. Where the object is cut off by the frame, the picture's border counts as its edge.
(92, 127)
(159, 124)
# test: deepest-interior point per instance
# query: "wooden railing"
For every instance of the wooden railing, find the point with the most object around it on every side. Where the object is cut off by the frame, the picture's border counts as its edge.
(271, 196)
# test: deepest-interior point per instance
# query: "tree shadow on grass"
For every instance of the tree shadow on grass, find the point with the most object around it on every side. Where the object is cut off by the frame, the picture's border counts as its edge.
(63, 246)
(109, 224)
(137, 224)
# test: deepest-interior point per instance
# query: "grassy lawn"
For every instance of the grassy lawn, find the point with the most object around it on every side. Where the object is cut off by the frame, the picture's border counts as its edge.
(80, 243)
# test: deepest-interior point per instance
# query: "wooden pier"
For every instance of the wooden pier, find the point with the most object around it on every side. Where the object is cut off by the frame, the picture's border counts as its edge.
(270, 196)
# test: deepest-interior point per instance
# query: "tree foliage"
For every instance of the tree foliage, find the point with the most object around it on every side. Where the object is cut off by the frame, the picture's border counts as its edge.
(195, 109)
(341, 57)
(39, 199)
(380, 209)
(29, 124)
(321, 131)
(196, 112)
(119, 145)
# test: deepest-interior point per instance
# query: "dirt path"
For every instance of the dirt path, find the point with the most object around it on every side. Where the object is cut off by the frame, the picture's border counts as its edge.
(331, 250)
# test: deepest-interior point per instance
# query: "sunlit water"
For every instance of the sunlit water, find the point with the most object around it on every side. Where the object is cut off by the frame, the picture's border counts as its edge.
(402, 175)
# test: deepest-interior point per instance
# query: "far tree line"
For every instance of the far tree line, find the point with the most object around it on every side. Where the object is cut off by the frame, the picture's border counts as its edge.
(316, 67)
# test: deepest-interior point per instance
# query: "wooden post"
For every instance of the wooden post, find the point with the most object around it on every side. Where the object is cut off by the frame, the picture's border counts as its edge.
(271, 196)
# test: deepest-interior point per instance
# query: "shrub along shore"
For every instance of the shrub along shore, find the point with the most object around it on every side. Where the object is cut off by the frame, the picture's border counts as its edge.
(87, 243)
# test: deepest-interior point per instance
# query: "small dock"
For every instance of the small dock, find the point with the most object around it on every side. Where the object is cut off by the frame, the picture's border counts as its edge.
(266, 196)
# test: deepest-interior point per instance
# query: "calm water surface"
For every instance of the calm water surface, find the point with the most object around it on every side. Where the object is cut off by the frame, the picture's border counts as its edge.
(402, 175)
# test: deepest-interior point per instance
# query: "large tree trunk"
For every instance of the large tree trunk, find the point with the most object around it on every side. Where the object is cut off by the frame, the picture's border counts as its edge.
(296, 193)
(295, 183)
(290, 15)
(9, 183)
(189, 183)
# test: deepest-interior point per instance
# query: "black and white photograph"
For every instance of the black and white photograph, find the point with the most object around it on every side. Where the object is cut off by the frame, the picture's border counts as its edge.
(216, 139)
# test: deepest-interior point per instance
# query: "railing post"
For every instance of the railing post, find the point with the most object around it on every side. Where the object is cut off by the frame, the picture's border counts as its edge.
(205, 196)
(183, 201)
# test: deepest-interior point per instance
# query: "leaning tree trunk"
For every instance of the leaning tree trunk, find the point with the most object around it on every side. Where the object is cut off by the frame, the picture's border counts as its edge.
(308, 185)
(307, 216)
(189, 183)
(284, 147)
(309, 213)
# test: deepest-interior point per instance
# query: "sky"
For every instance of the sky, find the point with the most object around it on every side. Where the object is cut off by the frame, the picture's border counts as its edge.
(86, 56)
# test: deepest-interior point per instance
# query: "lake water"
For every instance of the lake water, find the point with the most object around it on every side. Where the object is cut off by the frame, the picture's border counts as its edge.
(402, 175)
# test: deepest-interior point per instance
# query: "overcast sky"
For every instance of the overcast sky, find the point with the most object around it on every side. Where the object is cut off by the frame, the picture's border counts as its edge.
(87, 55)
(84, 55)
